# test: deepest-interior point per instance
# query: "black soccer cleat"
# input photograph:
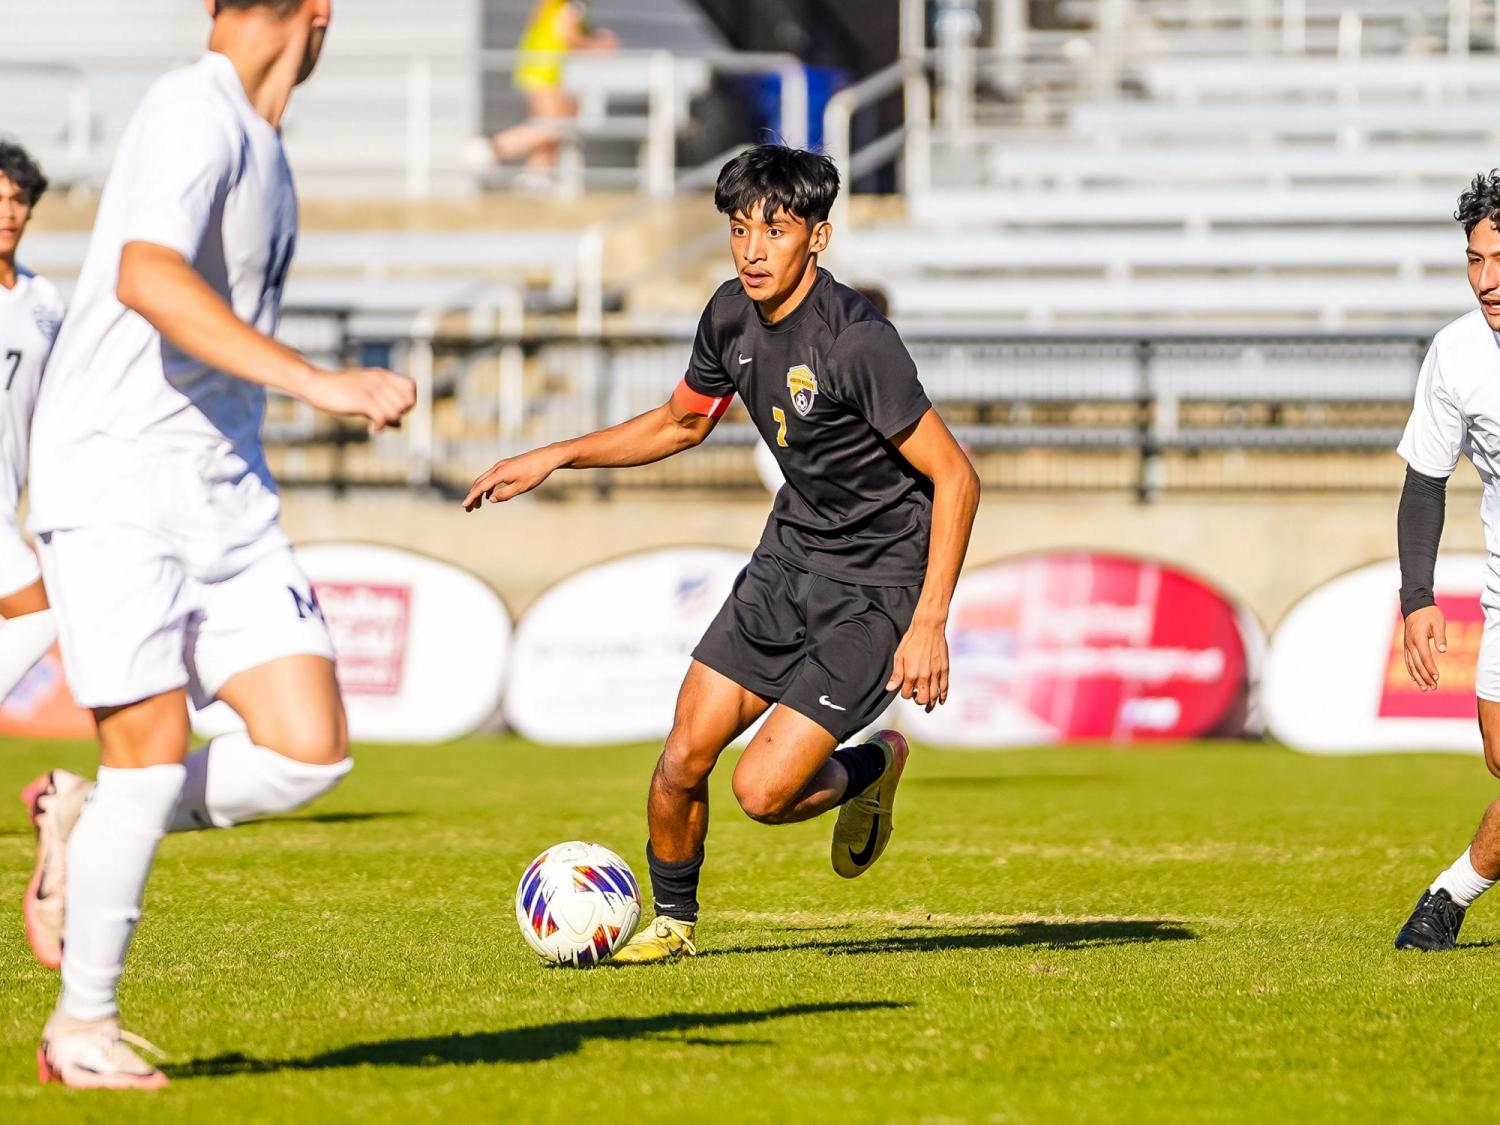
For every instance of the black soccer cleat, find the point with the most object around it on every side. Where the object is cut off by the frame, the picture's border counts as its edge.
(1433, 925)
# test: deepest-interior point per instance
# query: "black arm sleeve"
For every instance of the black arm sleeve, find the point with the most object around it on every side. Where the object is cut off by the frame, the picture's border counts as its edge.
(1419, 526)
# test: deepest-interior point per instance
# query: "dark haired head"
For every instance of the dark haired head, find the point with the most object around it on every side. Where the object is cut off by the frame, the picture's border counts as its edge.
(1480, 202)
(17, 166)
(280, 7)
(782, 179)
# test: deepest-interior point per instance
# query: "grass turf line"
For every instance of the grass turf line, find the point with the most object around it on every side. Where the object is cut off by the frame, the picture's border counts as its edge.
(1189, 934)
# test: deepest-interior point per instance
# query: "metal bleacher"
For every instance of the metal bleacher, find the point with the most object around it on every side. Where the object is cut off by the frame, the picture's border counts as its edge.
(1156, 243)
(1191, 230)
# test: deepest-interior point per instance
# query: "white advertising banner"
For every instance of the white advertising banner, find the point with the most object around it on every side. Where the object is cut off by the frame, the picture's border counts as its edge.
(422, 646)
(1335, 681)
(599, 657)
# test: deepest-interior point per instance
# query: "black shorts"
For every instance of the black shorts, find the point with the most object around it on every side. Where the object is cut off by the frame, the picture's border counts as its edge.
(822, 647)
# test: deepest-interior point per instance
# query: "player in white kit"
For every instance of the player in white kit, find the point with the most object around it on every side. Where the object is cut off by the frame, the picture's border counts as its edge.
(1457, 413)
(157, 517)
(31, 311)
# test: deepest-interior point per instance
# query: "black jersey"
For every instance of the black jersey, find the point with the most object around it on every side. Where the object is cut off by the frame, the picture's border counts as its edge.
(827, 387)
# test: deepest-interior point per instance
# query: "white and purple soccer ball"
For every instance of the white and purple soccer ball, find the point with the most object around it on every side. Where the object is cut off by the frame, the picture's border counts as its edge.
(577, 904)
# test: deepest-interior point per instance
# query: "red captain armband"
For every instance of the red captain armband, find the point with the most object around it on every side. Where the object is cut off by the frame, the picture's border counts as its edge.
(695, 402)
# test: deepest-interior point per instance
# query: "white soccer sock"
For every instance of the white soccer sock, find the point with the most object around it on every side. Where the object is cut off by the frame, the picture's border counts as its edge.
(1462, 882)
(232, 780)
(109, 857)
(23, 641)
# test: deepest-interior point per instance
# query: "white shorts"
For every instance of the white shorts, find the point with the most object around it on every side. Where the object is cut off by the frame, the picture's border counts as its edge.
(18, 565)
(1487, 668)
(135, 619)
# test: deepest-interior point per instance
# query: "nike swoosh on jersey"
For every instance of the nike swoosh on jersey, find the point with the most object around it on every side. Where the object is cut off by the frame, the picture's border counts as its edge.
(744, 359)
(826, 702)
(862, 856)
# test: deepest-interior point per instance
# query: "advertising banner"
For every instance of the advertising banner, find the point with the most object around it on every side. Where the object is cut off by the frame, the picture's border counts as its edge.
(422, 647)
(600, 656)
(1336, 679)
(1077, 646)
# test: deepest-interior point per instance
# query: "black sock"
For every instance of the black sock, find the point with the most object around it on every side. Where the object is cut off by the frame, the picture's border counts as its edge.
(674, 886)
(864, 764)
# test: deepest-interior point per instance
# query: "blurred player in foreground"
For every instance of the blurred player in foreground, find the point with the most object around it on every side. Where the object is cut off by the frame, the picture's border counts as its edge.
(1457, 411)
(30, 312)
(158, 518)
(845, 601)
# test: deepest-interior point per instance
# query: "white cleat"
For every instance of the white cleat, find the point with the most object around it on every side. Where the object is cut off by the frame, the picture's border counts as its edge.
(54, 801)
(94, 1055)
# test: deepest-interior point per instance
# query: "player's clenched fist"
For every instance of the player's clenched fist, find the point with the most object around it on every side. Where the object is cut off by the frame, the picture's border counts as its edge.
(511, 477)
(1426, 635)
(379, 396)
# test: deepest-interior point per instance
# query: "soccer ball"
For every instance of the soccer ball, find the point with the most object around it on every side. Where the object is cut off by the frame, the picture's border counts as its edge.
(577, 904)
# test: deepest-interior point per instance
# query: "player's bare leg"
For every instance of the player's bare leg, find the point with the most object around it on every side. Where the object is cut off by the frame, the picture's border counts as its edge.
(712, 711)
(791, 773)
(786, 774)
(1434, 924)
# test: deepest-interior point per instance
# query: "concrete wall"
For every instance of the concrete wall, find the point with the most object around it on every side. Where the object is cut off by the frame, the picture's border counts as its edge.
(1265, 551)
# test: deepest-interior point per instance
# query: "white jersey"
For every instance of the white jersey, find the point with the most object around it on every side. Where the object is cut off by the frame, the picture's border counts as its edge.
(1457, 413)
(30, 315)
(129, 430)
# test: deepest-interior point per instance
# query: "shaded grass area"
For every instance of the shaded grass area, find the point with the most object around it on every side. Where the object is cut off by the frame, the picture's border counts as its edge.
(1185, 934)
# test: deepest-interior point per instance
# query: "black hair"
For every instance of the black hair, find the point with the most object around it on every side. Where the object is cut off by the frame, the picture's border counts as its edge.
(789, 180)
(1480, 202)
(280, 7)
(17, 166)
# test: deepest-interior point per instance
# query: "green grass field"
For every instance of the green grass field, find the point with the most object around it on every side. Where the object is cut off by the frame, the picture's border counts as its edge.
(1165, 935)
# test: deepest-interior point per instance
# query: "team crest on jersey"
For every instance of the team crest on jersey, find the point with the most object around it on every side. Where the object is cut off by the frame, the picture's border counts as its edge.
(47, 321)
(803, 385)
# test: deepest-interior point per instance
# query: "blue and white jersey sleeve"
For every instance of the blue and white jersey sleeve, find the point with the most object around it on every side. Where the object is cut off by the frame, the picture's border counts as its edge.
(1435, 433)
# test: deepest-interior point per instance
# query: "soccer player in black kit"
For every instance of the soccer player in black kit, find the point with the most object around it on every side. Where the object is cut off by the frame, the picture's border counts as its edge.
(845, 601)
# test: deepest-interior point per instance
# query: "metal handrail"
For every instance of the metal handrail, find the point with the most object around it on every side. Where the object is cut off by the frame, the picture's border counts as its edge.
(908, 75)
(663, 86)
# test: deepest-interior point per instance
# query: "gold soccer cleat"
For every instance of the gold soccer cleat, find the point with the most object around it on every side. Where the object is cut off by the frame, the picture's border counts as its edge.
(864, 825)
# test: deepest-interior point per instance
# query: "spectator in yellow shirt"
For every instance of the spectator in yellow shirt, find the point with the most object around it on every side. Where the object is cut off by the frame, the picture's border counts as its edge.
(556, 28)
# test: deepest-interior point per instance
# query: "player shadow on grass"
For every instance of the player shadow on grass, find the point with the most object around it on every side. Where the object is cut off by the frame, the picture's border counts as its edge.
(936, 938)
(521, 1044)
(333, 818)
(1009, 781)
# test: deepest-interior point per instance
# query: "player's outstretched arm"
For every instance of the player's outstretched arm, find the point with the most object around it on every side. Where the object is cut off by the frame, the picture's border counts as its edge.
(1419, 530)
(920, 669)
(653, 436)
(162, 286)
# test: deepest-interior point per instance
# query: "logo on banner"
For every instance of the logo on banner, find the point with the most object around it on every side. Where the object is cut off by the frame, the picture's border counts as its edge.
(1400, 698)
(371, 628)
(695, 592)
(803, 385)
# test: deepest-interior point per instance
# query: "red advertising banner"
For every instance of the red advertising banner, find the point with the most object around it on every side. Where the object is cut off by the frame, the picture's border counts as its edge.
(1401, 698)
(1081, 646)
